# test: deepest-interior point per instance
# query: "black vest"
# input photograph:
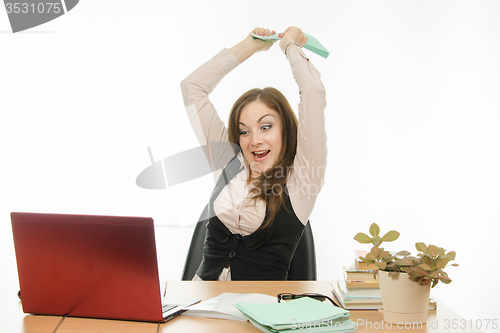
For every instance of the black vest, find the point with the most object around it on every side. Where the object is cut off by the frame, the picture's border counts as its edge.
(264, 255)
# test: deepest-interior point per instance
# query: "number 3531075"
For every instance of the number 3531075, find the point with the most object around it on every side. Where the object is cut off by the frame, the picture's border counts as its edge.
(32, 8)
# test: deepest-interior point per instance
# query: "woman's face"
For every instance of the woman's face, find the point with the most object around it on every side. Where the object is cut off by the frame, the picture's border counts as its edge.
(260, 136)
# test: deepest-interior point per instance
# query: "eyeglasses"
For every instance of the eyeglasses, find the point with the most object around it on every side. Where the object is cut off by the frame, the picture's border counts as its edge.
(319, 297)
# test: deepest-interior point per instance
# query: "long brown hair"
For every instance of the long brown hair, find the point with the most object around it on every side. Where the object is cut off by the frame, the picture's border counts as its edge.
(270, 185)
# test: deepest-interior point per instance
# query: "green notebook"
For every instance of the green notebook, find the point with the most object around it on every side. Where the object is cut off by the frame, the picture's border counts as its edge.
(337, 327)
(312, 44)
(303, 313)
(315, 46)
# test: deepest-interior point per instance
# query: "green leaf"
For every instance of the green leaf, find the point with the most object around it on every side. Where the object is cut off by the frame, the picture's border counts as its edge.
(405, 269)
(381, 264)
(388, 258)
(414, 277)
(441, 263)
(429, 262)
(454, 265)
(421, 247)
(370, 256)
(403, 253)
(417, 272)
(376, 251)
(424, 282)
(376, 241)
(433, 250)
(362, 238)
(404, 261)
(384, 254)
(374, 229)
(451, 255)
(435, 274)
(391, 236)
(444, 279)
(425, 267)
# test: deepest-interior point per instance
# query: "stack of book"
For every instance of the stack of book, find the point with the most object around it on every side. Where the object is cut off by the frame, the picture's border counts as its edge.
(360, 276)
(360, 289)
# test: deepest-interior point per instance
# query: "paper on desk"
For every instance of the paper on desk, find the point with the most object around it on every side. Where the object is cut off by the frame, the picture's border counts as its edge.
(222, 306)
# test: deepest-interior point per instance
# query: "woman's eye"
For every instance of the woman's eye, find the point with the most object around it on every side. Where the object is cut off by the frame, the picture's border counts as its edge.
(243, 132)
(266, 127)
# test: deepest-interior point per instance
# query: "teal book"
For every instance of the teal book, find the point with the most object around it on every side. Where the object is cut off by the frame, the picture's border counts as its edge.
(305, 313)
(315, 46)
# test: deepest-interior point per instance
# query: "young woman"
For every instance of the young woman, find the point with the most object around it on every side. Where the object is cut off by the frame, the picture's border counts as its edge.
(275, 170)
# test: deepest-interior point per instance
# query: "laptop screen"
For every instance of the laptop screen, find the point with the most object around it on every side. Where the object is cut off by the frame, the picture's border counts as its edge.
(87, 266)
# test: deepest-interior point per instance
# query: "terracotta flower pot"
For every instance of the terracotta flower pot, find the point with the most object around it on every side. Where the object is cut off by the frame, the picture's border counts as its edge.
(404, 301)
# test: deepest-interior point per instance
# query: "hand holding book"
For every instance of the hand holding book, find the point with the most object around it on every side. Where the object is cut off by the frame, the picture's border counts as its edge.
(312, 44)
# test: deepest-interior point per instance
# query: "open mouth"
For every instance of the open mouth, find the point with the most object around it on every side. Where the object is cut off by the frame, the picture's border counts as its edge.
(260, 155)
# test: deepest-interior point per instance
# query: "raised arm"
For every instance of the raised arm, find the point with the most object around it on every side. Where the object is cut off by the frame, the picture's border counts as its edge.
(196, 88)
(310, 161)
(247, 47)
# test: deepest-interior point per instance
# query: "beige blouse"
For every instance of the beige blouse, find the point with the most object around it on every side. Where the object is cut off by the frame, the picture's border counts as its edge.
(239, 213)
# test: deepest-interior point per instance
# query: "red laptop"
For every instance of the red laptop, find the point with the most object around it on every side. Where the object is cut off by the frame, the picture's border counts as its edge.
(90, 266)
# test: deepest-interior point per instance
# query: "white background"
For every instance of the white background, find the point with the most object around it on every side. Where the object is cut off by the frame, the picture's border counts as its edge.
(413, 122)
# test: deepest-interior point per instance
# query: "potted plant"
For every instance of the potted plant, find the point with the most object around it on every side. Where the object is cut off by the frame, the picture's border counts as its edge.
(405, 280)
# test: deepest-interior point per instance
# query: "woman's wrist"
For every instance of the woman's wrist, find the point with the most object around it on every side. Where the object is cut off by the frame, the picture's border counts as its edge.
(248, 46)
(244, 49)
(288, 45)
(292, 36)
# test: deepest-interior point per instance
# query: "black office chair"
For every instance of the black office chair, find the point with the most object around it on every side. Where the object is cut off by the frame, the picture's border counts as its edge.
(302, 267)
